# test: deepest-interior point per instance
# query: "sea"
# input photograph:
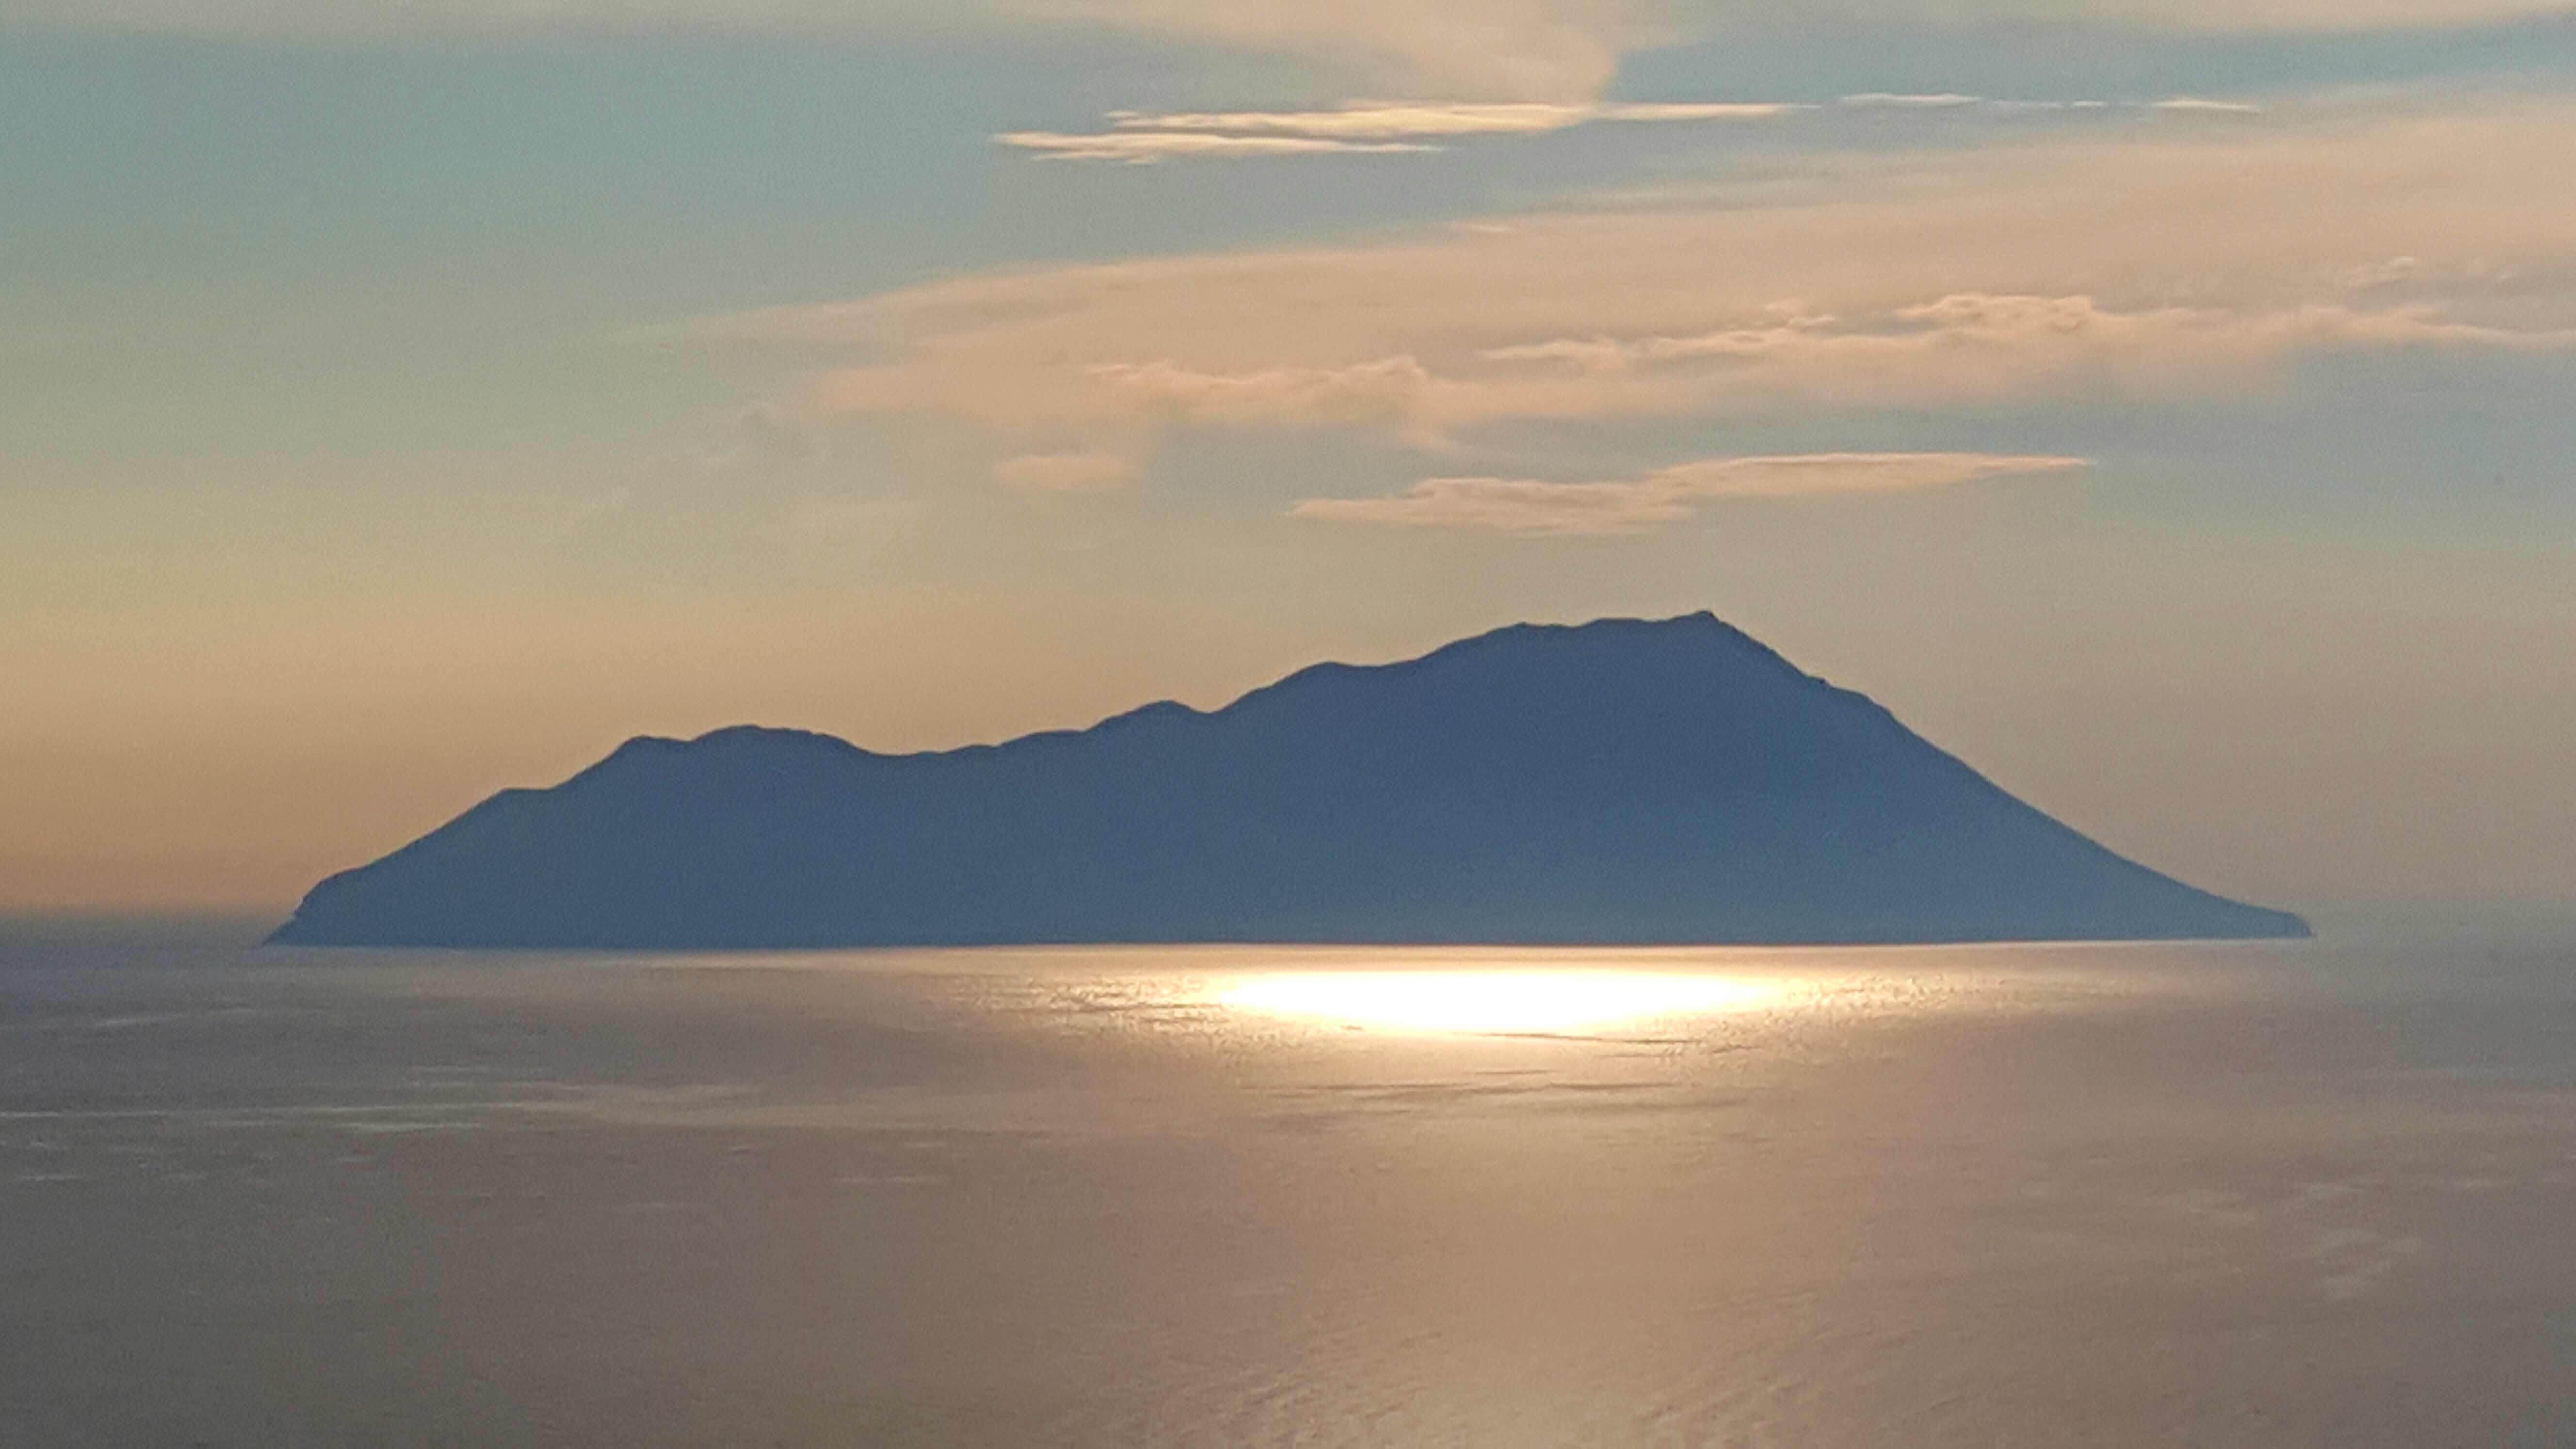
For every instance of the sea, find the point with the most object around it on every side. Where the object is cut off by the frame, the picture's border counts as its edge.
(2294, 1193)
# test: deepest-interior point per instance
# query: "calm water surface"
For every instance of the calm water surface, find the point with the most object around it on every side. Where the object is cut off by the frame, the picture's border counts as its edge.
(2280, 1194)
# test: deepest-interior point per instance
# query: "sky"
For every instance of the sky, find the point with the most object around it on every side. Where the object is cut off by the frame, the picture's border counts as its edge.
(2164, 405)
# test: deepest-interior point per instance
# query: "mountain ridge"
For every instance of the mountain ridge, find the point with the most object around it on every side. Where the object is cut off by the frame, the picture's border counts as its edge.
(1624, 780)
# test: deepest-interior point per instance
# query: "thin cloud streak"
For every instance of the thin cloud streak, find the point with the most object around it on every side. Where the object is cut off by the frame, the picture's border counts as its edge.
(1417, 126)
(1374, 120)
(1143, 148)
(1882, 100)
(1362, 128)
(1533, 508)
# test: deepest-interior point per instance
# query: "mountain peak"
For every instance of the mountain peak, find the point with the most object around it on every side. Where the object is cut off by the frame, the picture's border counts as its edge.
(1623, 780)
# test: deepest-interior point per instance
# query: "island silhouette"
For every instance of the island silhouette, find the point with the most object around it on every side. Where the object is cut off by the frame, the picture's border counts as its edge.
(1619, 782)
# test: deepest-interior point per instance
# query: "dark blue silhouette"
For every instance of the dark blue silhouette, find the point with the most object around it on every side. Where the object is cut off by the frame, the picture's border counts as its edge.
(1621, 781)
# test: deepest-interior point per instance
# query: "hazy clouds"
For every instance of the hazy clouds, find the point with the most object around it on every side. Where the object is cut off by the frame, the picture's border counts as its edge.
(2136, 264)
(1667, 495)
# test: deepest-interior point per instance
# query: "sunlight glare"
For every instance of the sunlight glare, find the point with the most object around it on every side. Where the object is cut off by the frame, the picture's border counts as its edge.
(1491, 1001)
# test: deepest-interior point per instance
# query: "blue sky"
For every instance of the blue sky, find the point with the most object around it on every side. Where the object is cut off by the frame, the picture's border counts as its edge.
(2162, 406)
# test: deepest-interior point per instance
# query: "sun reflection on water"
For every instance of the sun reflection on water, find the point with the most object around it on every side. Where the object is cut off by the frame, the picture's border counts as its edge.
(1527, 1001)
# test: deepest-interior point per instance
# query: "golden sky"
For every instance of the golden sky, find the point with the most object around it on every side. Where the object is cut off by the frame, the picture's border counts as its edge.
(2160, 405)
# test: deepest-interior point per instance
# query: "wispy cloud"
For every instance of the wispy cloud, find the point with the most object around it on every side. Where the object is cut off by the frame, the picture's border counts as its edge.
(1360, 127)
(1147, 147)
(2196, 103)
(1975, 346)
(1379, 119)
(1924, 279)
(1376, 391)
(1419, 126)
(1952, 101)
(2017, 108)
(1961, 349)
(1883, 100)
(1531, 507)
(1508, 505)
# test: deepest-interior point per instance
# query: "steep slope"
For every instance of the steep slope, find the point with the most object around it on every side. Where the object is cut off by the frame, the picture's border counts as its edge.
(1621, 781)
